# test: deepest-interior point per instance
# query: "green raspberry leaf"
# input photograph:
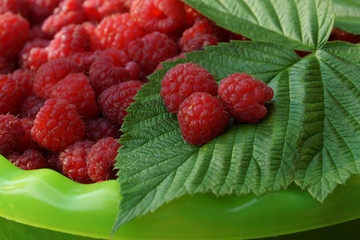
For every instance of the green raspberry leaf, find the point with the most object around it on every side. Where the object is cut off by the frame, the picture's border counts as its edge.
(300, 24)
(347, 14)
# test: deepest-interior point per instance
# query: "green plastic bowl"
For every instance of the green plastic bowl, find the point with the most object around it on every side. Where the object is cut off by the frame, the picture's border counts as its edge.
(46, 199)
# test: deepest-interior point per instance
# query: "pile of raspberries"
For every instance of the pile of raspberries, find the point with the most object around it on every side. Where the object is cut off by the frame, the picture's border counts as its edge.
(70, 68)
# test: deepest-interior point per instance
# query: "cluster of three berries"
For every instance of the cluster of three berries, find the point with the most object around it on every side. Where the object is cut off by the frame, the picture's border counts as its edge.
(191, 91)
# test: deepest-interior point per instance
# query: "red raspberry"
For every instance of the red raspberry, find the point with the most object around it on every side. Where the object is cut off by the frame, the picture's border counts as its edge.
(91, 30)
(166, 16)
(36, 32)
(152, 49)
(11, 95)
(54, 162)
(41, 9)
(10, 133)
(244, 97)
(191, 15)
(31, 106)
(340, 35)
(57, 125)
(25, 81)
(69, 40)
(30, 159)
(100, 128)
(68, 12)
(201, 26)
(33, 54)
(26, 142)
(116, 31)
(50, 73)
(73, 161)
(76, 89)
(114, 100)
(202, 117)
(95, 10)
(83, 60)
(111, 67)
(199, 42)
(6, 66)
(101, 159)
(15, 6)
(14, 31)
(183, 80)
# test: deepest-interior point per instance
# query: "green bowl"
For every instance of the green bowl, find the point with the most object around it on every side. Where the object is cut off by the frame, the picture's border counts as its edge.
(47, 200)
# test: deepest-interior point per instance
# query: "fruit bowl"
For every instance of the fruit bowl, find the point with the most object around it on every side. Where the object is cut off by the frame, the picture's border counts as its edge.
(45, 199)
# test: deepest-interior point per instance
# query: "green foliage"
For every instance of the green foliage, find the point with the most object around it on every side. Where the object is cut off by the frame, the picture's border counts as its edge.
(309, 136)
(347, 15)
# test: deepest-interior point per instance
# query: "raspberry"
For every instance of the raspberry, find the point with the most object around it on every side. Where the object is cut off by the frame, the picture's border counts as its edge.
(100, 128)
(26, 142)
(201, 26)
(25, 81)
(50, 73)
(73, 161)
(101, 159)
(199, 42)
(114, 100)
(31, 106)
(36, 32)
(69, 40)
(11, 95)
(91, 30)
(10, 133)
(116, 31)
(30, 60)
(202, 117)
(150, 50)
(15, 6)
(68, 12)
(14, 31)
(83, 60)
(191, 15)
(76, 89)
(41, 9)
(111, 67)
(30, 159)
(244, 97)
(338, 34)
(54, 162)
(183, 80)
(57, 125)
(95, 10)
(166, 16)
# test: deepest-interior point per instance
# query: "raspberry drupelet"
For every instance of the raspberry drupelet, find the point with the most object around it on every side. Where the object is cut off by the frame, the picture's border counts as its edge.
(30, 159)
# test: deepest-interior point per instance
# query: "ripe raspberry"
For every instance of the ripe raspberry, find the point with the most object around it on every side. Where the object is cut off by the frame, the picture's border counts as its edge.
(76, 89)
(10, 133)
(73, 161)
(25, 82)
(83, 60)
(15, 6)
(41, 9)
(114, 100)
(11, 95)
(116, 31)
(166, 16)
(69, 40)
(95, 129)
(33, 54)
(30, 159)
(68, 12)
(91, 30)
(338, 34)
(201, 26)
(150, 50)
(57, 125)
(191, 15)
(30, 107)
(26, 142)
(202, 117)
(183, 80)
(6, 66)
(111, 67)
(244, 97)
(101, 159)
(14, 32)
(199, 42)
(95, 10)
(50, 73)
